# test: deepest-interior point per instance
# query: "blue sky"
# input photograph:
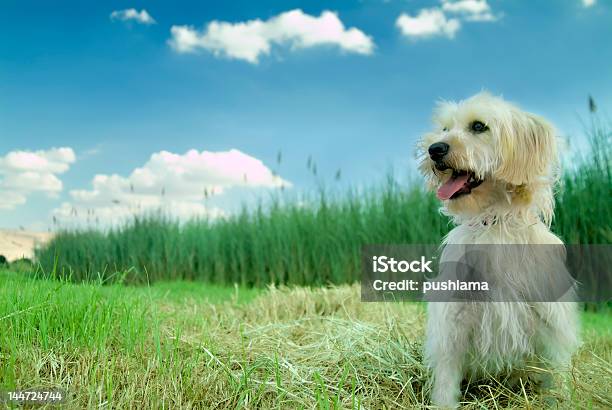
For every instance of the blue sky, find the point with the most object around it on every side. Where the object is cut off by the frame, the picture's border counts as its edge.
(116, 91)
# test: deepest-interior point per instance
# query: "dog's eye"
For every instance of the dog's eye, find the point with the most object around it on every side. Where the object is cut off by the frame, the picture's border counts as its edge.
(445, 129)
(478, 127)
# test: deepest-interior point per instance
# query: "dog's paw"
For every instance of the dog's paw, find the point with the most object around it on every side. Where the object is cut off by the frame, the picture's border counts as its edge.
(445, 398)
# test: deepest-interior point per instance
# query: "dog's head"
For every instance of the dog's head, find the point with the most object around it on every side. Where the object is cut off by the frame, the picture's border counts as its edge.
(486, 153)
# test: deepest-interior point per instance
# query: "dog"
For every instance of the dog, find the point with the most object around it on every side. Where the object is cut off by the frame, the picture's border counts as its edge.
(494, 167)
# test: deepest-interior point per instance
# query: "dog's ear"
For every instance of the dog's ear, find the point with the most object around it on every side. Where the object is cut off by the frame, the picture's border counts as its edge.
(528, 149)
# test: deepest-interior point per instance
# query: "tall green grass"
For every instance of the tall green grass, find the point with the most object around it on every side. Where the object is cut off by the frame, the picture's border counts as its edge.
(583, 212)
(289, 243)
(318, 243)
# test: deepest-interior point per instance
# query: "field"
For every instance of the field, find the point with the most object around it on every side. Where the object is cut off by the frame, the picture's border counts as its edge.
(262, 309)
(16, 244)
(189, 345)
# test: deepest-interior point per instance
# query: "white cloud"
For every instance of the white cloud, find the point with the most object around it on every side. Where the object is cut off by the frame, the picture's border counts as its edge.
(25, 172)
(446, 20)
(251, 39)
(427, 23)
(471, 10)
(175, 184)
(141, 17)
(74, 215)
(588, 3)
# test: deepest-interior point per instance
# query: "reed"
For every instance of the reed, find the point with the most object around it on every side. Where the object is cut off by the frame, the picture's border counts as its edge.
(313, 241)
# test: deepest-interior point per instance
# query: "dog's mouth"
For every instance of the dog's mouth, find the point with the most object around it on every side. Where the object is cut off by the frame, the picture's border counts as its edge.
(460, 183)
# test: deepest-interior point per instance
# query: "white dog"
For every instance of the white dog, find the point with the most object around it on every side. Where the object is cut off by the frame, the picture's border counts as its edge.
(494, 167)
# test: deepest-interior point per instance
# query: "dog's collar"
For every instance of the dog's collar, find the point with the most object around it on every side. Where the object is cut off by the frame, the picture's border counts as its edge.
(492, 220)
(487, 221)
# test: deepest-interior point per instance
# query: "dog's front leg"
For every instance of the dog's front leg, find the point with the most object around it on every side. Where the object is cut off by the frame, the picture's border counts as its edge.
(445, 351)
(446, 384)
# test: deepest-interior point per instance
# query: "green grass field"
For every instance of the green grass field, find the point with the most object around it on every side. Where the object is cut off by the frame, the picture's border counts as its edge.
(190, 345)
(157, 314)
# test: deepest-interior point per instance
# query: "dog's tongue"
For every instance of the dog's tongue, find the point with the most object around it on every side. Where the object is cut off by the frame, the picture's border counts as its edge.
(451, 186)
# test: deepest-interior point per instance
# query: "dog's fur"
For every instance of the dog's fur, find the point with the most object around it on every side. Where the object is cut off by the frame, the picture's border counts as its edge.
(515, 160)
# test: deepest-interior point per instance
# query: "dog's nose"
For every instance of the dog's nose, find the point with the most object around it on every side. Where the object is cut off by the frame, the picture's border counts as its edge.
(438, 150)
